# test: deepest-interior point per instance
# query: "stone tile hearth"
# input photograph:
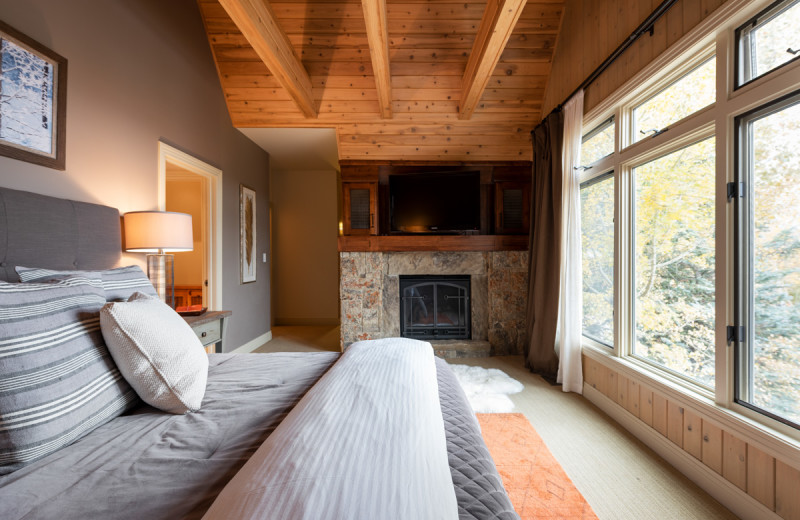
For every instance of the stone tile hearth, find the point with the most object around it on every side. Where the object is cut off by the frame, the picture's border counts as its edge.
(370, 296)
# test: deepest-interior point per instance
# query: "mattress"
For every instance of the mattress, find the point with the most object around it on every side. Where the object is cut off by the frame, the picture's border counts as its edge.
(149, 464)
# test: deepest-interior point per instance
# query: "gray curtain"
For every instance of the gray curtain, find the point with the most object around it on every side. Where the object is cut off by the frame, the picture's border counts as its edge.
(544, 248)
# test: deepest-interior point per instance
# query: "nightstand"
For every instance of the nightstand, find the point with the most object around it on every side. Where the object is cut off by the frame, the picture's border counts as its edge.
(210, 329)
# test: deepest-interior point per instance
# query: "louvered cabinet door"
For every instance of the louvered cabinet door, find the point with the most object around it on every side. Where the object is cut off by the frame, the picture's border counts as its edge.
(360, 208)
(512, 207)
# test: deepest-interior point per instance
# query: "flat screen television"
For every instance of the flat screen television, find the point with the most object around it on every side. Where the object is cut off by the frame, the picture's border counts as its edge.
(435, 203)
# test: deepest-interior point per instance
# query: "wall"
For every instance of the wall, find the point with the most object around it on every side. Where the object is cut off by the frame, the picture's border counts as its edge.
(714, 448)
(139, 72)
(304, 253)
(592, 29)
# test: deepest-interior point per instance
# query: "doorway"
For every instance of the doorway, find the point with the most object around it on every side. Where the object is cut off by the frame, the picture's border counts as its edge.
(188, 185)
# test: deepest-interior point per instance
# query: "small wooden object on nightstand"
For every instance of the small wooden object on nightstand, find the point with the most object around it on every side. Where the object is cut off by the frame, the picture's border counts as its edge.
(210, 329)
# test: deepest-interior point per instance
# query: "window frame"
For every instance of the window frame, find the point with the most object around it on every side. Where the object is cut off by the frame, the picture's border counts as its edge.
(589, 181)
(712, 36)
(597, 129)
(741, 64)
(701, 134)
(680, 73)
(658, 83)
(741, 337)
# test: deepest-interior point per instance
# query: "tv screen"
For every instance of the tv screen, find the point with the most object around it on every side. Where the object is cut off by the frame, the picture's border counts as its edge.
(435, 202)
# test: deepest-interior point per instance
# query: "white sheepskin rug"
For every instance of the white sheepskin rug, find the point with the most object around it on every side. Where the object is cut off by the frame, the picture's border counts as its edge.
(487, 389)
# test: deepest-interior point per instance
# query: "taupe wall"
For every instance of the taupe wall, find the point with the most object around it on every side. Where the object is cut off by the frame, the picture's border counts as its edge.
(592, 29)
(140, 71)
(305, 255)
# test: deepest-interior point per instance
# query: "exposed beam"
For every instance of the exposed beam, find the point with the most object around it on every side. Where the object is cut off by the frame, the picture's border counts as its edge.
(378, 39)
(497, 23)
(258, 25)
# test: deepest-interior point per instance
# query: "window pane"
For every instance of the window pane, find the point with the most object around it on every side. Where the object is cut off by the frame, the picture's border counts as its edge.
(686, 96)
(598, 143)
(775, 271)
(770, 41)
(597, 243)
(674, 264)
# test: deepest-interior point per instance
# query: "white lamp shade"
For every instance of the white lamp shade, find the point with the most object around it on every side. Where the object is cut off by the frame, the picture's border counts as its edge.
(151, 231)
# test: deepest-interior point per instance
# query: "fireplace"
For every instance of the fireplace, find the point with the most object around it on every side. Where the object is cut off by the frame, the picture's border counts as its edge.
(435, 306)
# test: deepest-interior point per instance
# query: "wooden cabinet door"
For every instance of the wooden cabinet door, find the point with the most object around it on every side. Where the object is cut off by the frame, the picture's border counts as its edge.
(360, 201)
(512, 207)
(186, 295)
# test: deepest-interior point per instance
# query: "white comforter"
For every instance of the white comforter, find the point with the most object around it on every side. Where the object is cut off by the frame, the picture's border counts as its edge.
(366, 442)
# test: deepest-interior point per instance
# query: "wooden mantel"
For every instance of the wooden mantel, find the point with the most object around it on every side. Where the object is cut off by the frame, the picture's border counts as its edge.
(368, 243)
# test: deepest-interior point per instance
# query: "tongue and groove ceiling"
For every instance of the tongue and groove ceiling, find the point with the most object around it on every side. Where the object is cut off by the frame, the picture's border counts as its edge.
(406, 80)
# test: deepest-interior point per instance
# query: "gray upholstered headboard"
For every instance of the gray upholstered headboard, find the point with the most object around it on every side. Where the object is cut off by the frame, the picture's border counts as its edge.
(41, 231)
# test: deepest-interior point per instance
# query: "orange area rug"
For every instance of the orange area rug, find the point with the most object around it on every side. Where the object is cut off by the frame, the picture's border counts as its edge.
(535, 482)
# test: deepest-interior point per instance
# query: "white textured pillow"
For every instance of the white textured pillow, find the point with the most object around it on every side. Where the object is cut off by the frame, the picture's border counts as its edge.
(157, 352)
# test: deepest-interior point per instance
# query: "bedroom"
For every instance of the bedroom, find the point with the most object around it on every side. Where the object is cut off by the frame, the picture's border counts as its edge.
(141, 72)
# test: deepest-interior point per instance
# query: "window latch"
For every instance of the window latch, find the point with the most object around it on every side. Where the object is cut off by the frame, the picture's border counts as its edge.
(735, 189)
(655, 131)
(735, 333)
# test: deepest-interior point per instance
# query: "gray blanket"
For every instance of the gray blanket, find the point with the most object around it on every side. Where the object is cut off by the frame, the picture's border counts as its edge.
(159, 466)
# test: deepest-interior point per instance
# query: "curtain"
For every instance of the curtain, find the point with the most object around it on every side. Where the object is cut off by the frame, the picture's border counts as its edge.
(544, 248)
(570, 316)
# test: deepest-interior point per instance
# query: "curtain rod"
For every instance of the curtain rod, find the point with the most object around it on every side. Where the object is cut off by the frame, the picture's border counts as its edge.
(645, 27)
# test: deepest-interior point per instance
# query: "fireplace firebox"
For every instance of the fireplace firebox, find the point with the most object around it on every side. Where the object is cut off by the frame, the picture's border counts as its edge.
(435, 307)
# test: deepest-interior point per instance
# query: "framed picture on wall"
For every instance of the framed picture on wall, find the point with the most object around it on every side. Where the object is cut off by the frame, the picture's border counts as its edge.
(247, 233)
(33, 100)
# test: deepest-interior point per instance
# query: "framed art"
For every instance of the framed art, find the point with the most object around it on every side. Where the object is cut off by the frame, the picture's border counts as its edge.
(33, 100)
(247, 233)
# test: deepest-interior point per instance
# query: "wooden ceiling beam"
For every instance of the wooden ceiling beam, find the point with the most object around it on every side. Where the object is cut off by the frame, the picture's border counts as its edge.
(378, 39)
(495, 29)
(256, 21)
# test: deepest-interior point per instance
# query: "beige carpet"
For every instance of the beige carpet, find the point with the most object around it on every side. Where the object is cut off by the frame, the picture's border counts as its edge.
(302, 339)
(619, 476)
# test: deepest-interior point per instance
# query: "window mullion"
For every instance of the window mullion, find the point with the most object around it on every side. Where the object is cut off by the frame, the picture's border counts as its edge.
(623, 255)
(724, 232)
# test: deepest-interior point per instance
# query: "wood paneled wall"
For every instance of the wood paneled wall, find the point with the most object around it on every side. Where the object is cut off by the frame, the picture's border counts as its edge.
(771, 481)
(593, 29)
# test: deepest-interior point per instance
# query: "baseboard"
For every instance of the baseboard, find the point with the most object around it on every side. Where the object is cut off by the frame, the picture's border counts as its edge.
(253, 344)
(308, 322)
(739, 502)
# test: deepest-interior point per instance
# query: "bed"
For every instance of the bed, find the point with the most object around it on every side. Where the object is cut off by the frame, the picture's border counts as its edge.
(255, 421)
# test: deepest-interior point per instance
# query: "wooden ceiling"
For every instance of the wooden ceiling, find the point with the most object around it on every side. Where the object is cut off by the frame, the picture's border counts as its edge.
(399, 80)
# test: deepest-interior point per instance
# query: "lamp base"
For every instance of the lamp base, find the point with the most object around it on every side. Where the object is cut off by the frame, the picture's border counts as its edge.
(161, 271)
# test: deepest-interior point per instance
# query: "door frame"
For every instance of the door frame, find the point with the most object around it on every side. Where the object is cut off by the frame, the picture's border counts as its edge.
(213, 213)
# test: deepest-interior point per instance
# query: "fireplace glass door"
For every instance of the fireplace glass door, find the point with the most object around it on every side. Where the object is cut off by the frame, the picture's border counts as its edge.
(435, 307)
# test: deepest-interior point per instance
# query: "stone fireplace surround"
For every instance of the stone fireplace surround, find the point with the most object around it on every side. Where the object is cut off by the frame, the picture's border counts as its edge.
(370, 296)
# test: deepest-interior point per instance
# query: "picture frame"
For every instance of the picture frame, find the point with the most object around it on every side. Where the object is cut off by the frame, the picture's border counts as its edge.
(33, 100)
(247, 234)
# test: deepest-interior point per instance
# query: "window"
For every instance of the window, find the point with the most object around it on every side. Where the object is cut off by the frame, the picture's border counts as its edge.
(684, 97)
(597, 244)
(768, 40)
(696, 294)
(768, 376)
(598, 143)
(674, 261)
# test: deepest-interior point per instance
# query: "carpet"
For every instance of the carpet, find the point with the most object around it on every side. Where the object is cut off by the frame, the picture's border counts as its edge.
(487, 389)
(537, 485)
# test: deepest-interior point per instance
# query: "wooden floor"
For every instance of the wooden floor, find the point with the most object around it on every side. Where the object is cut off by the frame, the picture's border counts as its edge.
(620, 477)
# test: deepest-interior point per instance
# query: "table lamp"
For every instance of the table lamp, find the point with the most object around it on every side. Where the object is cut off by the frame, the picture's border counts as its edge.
(157, 232)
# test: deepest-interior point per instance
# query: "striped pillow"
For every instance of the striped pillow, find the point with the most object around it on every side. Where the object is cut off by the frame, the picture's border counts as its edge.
(57, 379)
(119, 283)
